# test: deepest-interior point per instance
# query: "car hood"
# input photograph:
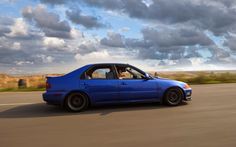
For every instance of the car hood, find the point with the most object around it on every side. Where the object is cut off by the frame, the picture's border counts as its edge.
(162, 78)
(166, 80)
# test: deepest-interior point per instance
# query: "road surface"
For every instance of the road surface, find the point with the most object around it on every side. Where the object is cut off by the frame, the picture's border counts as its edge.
(208, 120)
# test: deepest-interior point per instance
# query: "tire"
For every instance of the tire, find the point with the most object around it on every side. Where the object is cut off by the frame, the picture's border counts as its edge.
(173, 96)
(76, 102)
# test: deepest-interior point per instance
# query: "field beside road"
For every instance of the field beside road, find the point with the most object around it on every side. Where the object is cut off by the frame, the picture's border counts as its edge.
(208, 120)
(200, 77)
(37, 82)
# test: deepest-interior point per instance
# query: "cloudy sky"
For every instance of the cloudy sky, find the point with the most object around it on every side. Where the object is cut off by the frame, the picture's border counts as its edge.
(57, 36)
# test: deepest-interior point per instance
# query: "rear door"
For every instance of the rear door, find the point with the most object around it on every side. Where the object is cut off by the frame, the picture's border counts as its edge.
(133, 86)
(101, 84)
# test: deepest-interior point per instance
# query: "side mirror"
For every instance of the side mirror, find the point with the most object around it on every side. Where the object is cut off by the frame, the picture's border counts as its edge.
(147, 77)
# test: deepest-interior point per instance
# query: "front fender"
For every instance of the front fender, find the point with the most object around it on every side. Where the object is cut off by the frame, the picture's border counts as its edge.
(165, 84)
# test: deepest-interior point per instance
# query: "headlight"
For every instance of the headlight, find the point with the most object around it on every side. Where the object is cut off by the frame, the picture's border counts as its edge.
(186, 86)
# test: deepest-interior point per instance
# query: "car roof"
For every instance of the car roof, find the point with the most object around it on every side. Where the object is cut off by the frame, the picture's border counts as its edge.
(110, 64)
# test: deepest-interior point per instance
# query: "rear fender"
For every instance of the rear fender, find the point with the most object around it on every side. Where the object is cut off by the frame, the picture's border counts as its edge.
(78, 91)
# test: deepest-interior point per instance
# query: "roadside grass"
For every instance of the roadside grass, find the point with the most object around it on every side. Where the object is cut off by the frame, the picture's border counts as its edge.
(21, 89)
(206, 78)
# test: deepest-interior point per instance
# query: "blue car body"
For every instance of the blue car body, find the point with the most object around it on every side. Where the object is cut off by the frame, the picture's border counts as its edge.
(102, 91)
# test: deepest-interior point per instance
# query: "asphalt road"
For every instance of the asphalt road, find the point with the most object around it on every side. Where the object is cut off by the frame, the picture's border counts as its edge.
(208, 120)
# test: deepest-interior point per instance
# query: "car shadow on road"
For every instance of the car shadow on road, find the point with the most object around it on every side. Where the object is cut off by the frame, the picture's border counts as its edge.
(43, 110)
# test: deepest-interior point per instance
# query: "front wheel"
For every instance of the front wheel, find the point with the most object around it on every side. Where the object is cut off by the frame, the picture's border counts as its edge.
(76, 102)
(173, 96)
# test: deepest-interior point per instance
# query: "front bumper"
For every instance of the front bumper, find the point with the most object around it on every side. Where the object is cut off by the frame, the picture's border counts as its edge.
(55, 98)
(188, 94)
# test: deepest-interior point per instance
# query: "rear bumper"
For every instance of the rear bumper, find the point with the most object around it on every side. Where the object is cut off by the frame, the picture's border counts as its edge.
(188, 94)
(55, 98)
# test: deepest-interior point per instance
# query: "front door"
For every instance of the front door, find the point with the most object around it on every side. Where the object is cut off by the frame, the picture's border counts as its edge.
(133, 85)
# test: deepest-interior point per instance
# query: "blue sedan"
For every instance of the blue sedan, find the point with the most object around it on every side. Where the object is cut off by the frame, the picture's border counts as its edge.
(110, 83)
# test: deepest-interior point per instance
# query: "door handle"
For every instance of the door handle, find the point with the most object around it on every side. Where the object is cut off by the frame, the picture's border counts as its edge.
(85, 84)
(123, 83)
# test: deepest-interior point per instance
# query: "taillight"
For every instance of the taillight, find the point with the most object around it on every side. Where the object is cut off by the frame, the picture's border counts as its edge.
(48, 85)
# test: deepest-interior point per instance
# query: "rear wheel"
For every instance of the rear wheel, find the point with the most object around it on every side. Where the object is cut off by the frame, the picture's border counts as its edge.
(76, 102)
(173, 96)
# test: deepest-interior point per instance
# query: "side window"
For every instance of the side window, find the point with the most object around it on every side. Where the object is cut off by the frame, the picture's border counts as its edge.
(125, 74)
(129, 73)
(136, 74)
(103, 72)
(100, 73)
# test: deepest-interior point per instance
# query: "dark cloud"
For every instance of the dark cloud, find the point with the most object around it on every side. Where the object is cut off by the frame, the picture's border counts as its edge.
(151, 53)
(195, 17)
(164, 43)
(216, 16)
(230, 42)
(192, 52)
(162, 63)
(87, 48)
(9, 53)
(183, 62)
(48, 22)
(5, 23)
(4, 30)
(109, 4)
(10, 56)
(56, 33)
(218, 53)
(176, 63)
(227, 3)
(53, 2)
(29, 53)
(14, 49)
(135, 8)
(136, 43)
(175, 37)
(113, 40)
(176, 32)
(87, 21)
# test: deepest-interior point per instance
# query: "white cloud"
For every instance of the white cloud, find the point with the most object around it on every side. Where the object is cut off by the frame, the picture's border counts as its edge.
(94, 56)
(197, 61)
(19, 28)
(9, 45)
(49, 59)
(23, 62)
(45, 58)
(103, 56)
(53, 42)
(15, 70)
(147, 2)
(107, 56)
(16, 46)
(8, 1)
(124, 29)
(76, 34)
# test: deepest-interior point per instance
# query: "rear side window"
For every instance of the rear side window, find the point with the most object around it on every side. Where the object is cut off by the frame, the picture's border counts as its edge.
(99, 72)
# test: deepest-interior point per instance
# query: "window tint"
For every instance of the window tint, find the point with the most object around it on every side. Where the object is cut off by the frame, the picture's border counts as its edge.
(129, 73)
(102, 72)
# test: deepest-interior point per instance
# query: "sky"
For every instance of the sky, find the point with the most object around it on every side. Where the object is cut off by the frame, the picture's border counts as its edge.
(57, 36)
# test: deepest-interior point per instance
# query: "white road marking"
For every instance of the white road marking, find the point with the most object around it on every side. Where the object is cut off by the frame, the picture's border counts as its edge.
(16, 104)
